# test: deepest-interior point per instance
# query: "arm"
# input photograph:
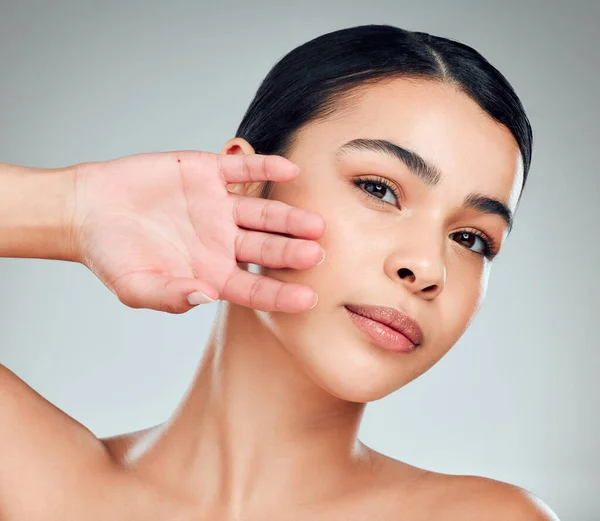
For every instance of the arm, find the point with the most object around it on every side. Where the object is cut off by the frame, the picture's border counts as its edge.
(36, 208)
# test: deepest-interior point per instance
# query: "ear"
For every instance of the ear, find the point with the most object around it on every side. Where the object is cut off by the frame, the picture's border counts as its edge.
(239, 146)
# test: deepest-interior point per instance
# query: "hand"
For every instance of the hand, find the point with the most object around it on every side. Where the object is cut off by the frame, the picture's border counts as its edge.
(155, 228)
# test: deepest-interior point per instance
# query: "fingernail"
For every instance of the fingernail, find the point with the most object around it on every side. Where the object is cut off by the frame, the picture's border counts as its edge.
(198, 298)
(321, 261)
(314, 303)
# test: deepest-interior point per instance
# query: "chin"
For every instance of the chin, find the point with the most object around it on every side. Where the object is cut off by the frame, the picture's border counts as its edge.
(355, 373)
(357, 391)
(328, 349)
(357, 394)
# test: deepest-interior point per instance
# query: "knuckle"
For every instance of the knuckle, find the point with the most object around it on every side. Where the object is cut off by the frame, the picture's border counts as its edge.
(267, 247)
(288, 218)
(285, 253)
(246, 167)
(263, 165)
(255, 292)
(277, 296)
(264, 214)
(239, 240)
(263, 249)
(236, 211)
(218, 166)
(228, 281)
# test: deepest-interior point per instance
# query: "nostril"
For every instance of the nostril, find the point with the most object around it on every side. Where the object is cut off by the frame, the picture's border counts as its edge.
(406, 273)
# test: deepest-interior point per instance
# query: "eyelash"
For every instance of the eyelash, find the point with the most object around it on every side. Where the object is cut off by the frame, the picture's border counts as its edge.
(489, 246)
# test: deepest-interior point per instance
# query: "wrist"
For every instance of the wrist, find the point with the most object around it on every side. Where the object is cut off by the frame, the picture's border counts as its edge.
(36, 213)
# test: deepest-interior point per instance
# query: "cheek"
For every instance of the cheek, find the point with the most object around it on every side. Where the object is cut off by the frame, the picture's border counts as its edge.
(463, 294)
(324, 342)
(328, 278)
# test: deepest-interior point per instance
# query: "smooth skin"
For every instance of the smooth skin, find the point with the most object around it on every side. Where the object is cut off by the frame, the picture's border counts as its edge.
(155, 228)
(268, 428)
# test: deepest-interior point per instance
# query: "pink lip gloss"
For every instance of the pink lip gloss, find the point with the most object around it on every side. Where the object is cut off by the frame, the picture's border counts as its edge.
(381, 334)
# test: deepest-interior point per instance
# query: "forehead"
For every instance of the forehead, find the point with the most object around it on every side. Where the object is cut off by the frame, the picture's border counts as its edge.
(434, 119)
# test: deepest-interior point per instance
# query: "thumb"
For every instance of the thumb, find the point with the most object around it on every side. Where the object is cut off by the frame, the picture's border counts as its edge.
(144, 289)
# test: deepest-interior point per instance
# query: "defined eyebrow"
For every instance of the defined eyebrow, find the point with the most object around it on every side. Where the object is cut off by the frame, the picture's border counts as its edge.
(428, 173)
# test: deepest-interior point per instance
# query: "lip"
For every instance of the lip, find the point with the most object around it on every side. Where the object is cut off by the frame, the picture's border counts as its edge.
(392, 318)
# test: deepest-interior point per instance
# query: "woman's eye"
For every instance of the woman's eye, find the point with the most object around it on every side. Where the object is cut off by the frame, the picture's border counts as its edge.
(379, 190)
(469, 240)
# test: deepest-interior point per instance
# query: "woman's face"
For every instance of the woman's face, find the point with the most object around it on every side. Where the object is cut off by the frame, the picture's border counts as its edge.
(422, 251)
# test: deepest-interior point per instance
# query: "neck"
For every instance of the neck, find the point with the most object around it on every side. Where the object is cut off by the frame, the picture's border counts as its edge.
(254, 425)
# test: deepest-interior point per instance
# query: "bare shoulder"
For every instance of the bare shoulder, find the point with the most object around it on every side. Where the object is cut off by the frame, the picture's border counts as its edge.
(27, 416)
(417, 493)
(42, 449)
(463, 497)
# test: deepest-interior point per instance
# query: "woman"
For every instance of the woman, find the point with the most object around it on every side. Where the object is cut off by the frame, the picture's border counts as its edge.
(415, 150)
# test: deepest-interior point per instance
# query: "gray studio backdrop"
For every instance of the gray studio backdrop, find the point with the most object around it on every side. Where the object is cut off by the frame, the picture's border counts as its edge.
(515, 399)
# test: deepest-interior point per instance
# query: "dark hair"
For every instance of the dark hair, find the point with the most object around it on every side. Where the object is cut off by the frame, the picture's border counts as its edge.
(309, 82)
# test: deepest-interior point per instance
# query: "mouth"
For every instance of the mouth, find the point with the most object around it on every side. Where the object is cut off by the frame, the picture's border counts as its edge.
(392, 323)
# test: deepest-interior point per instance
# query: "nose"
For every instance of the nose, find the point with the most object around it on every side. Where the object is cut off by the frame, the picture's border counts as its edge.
(419, 266)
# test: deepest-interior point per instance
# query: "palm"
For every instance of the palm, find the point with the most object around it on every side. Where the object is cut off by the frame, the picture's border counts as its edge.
(153, 233)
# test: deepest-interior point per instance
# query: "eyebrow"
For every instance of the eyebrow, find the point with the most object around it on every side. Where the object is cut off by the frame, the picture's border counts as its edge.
(428, 173)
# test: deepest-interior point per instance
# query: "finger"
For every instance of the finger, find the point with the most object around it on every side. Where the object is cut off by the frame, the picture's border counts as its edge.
(151, 290)
(255, 167)
(277, 251)
(276, 216)
(267, 294)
